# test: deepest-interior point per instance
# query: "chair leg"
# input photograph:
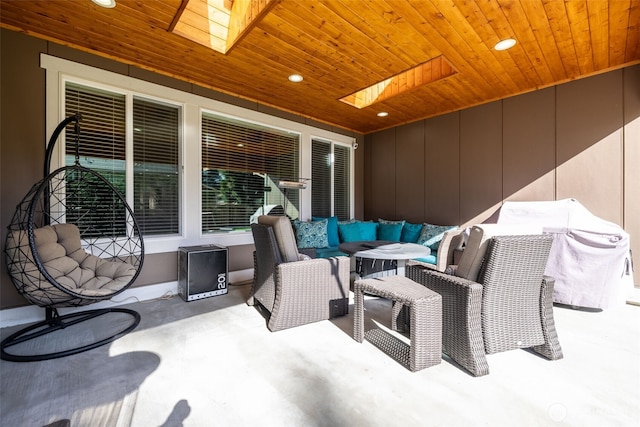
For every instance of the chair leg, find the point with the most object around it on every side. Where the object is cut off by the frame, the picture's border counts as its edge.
(358, 314)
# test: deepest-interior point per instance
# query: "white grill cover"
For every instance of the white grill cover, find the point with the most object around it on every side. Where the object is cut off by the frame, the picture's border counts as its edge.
(590, 257)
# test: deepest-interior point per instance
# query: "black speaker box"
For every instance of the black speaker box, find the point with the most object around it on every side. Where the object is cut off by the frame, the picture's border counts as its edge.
(202, 271)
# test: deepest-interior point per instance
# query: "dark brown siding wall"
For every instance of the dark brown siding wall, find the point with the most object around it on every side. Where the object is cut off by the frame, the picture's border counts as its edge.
(577, 140)
(23, 138)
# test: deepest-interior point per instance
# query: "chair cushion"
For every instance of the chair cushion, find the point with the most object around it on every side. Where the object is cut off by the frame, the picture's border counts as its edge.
(283, 230)
(60, 251)
(478, 242)
(431, 259)
(431, 235)
(312, 234)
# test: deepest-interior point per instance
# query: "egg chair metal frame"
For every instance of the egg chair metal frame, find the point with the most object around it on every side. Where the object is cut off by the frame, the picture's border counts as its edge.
(110, 239)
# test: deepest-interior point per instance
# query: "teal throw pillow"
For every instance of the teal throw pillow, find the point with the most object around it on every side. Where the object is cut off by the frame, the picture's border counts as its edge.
(357, 231)
(349, 232)
(368, 230)
(312, 234)
(389, 231)
(332, 230)
(431, 235)
(410, 232)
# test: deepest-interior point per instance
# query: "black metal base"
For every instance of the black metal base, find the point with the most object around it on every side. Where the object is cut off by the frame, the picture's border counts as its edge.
(56, 322)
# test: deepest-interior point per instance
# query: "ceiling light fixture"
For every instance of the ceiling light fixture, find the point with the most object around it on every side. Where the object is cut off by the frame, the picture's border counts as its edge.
(109, 4)
(295, 78)
(383, 114)
(505, 44)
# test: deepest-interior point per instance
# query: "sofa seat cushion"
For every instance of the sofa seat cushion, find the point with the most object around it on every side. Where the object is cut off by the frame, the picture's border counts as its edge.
(329, 252)
(431, 259)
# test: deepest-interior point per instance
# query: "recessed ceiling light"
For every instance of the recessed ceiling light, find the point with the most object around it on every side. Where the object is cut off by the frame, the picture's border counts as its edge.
(105, 3)
(383, 114)
(296, 78)
(505, 44)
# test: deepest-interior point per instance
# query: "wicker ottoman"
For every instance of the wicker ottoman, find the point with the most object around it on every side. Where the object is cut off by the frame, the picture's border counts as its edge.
(424, 319)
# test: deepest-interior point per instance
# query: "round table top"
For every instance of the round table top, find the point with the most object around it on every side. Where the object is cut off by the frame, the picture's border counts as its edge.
(379, 249)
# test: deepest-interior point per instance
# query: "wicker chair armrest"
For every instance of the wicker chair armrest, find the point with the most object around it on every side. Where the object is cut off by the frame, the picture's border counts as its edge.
(461, 321)
(551, 348)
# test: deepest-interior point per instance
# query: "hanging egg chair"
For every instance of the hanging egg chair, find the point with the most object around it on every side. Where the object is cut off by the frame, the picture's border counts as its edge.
(73, 241)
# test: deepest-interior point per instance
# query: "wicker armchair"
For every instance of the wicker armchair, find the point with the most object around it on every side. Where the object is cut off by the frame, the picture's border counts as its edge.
(293, 289)
(452, 241)
(498, 300)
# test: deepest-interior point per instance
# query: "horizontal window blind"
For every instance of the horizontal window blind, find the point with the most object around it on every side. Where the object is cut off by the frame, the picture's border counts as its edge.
(156, 177)
(320, 179)
(330, 164)
(242, 164)
(101, 147)
(342, 181)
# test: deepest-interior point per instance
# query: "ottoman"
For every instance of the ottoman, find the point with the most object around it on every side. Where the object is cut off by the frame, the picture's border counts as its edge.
(413, 305)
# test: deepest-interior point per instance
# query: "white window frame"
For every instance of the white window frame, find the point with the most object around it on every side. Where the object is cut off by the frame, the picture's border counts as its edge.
(58, 71)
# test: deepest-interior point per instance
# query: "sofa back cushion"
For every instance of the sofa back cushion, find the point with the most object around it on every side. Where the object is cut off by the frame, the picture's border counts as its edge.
(476, 247)
(357, 231)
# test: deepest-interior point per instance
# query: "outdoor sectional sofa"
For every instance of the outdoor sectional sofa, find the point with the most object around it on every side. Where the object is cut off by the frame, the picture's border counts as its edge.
(321, 237)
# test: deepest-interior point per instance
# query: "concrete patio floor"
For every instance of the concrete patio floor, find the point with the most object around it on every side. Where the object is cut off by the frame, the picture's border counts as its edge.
(213, 362)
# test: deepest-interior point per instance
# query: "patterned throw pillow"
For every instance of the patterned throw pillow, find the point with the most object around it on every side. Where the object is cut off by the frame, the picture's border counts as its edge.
(386, 221)
(312, 234)
(332, 229)
(431, 235)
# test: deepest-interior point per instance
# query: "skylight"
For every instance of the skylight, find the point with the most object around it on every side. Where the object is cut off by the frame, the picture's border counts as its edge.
(428, 72)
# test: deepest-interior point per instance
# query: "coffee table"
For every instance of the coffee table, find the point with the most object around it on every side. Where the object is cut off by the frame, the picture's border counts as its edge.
(390, 256)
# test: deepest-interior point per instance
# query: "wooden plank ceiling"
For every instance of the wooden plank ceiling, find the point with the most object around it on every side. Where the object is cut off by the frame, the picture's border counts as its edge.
(341, 47)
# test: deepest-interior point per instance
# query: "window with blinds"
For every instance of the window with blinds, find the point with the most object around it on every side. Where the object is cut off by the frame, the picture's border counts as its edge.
(156, 181)
(320, 179)
(242, 164)
(103, 147)
(341, 181)
(330, 178)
